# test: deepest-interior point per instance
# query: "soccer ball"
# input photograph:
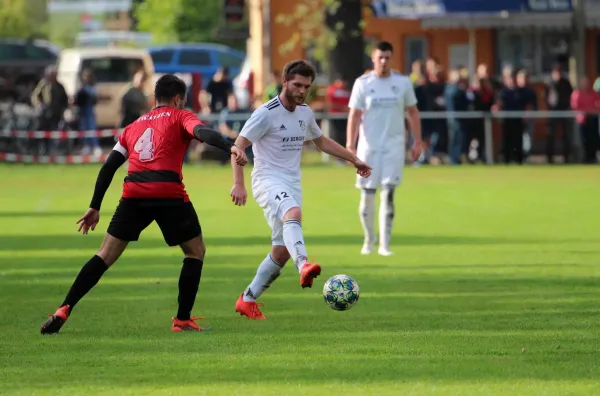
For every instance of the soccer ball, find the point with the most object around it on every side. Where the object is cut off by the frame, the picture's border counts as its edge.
(340, 292)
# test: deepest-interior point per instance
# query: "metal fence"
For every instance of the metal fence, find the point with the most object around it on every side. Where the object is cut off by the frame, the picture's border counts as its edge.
(18, 133)
(488, 118)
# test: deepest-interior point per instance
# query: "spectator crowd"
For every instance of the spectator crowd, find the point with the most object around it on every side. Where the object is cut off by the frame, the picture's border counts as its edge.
(460, 140)
(463, 140)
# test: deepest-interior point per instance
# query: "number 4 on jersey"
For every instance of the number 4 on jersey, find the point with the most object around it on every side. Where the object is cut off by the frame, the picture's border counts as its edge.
(145, 145)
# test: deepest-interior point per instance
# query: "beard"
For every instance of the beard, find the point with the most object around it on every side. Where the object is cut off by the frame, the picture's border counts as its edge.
(297, 98)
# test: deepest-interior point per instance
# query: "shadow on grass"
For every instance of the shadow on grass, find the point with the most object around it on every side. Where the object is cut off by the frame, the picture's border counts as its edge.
(250, 358)
(92, 241)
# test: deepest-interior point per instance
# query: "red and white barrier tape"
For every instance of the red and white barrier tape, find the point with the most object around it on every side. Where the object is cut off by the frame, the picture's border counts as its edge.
(61, 135)
(52, 159)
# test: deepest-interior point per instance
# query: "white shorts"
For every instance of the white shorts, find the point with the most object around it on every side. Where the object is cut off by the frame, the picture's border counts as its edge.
(387, 168)
(276, 197)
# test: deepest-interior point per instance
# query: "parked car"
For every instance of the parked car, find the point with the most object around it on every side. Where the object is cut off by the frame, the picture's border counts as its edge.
(113, 70)
(22, 64)
(203, 58)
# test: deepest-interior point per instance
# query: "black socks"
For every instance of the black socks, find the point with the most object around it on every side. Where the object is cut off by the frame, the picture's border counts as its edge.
(88, 277)
(189, 280)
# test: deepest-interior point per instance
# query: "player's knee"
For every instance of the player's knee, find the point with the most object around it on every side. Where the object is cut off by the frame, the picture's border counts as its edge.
(369, 191)
(197, 250)
(293, 214)
(280, 255)
(108, 257)
(111, 249)
(387, 194)
(194, 248)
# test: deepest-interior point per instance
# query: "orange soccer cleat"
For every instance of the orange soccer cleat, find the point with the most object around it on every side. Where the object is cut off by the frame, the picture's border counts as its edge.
(249, 308)
(308, 274)
(187, 325)
(56, 321)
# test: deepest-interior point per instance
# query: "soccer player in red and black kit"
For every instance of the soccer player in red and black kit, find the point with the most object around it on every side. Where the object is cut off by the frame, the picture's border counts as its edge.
(155, 145)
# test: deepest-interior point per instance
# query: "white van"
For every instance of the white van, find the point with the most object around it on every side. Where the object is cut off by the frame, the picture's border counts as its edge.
(113, 69)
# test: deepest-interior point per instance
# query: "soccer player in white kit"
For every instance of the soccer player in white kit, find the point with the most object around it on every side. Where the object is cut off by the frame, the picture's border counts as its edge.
(277, 131)
(377, 105)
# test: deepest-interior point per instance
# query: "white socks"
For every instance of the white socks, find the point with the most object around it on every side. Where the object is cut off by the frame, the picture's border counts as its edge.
(294, 242)
(267, 272)
(386, 217)
(367, 215)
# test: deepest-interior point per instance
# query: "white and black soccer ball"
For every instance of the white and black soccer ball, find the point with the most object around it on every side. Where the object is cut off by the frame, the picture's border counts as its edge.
(341, 292)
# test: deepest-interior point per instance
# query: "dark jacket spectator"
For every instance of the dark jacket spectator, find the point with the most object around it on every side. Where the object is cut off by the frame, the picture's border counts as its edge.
(50, 97)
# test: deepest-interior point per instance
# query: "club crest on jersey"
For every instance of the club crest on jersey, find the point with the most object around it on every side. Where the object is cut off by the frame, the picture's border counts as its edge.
(302, 125)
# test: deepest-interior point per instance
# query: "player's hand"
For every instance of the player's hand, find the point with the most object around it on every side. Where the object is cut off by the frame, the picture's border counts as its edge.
(416, 150)
(362, 168)
(89, 220)
(240, 156)
(238, 195)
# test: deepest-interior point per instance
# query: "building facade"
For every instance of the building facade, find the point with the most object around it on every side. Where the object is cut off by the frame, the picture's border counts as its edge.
(531, 34)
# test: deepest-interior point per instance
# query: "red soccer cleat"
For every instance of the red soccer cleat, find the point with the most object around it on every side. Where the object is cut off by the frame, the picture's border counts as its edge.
(56, 321)
(187, 325)
(249, 308)
(308, 274)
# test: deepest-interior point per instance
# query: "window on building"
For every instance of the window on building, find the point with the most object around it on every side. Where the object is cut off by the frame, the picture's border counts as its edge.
(554, 49)
(535, 51)
(416, 49)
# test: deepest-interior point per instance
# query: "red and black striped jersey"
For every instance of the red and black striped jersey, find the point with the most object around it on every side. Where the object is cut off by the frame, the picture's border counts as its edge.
(155, 145)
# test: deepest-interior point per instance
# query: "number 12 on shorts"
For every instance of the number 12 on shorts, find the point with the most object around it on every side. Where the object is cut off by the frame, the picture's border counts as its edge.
(145, 145)
(281, 195)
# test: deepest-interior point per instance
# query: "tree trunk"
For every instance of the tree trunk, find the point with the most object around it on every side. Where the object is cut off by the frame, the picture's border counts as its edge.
(346, 59)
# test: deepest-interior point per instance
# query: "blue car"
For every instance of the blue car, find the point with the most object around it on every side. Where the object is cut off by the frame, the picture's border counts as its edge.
(200, 58)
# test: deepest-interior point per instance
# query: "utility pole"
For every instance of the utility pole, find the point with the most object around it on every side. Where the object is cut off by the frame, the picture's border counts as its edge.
(577, 57)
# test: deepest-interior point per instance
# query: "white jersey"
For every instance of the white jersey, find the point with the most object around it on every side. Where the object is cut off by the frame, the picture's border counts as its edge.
(277, 137)
(383, 101)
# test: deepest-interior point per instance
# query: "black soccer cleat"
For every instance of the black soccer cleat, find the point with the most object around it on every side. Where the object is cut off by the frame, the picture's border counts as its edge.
(56, 321)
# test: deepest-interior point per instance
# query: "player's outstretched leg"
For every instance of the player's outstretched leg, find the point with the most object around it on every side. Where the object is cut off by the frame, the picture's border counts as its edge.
(294, 242)
(88, 277)
(189, 282)
(267, 272)
(386, 219)
(367, 218)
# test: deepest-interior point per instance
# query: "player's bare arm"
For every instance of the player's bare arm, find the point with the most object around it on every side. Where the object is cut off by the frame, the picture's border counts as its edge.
(414, 120)
(333, 148)
(354, 119)
(215, 139)
(91, 218)
(238, 191)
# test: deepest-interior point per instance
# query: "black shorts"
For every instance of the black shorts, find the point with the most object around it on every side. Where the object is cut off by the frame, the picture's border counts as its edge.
(177, 220)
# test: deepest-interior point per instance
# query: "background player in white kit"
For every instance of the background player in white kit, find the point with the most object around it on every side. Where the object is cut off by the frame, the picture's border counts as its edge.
(377, 105)
(277, 131)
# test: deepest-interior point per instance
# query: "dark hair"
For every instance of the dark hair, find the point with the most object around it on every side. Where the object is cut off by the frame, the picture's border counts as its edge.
(169, 86)
(384, 46)
(300, 67)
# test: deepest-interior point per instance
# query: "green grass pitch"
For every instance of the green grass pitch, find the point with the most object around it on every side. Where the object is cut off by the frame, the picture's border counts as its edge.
(494, 290)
